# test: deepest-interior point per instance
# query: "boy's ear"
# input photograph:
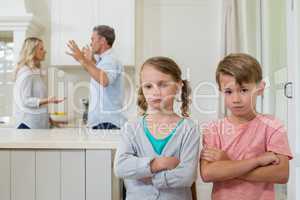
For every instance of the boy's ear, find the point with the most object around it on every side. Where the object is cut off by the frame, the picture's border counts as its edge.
(261, 87)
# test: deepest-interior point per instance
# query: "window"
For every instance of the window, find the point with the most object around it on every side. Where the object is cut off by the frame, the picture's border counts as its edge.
(6, 76)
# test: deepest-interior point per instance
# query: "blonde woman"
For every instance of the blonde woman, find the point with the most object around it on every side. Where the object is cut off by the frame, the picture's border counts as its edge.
(30, 92)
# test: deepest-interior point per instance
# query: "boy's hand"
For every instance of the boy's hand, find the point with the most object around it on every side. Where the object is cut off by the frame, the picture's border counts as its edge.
(163, 163)
(213, 154)
(267, 158)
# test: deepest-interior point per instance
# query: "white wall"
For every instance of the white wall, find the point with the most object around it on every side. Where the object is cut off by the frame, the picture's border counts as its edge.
(41, 9)
(189, 32)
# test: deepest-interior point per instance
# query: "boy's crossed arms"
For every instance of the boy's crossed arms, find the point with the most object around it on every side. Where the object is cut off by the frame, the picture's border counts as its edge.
(215, 166)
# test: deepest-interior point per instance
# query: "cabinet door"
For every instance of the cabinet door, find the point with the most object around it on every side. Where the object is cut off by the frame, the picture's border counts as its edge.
(70, 20)
(48, 182)
(23, 175)
(120, 14)
(98, 175)
(73, 174)
(4, 175)
(76, 19)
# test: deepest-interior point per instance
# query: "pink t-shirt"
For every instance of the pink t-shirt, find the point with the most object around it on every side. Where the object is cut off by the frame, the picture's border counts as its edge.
(261, 134)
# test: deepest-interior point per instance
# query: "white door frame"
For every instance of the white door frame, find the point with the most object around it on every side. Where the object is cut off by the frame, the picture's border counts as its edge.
(293, 59)
(293, 68)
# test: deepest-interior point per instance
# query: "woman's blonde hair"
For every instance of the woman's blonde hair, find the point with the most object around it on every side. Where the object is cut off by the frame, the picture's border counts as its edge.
(27, 54)
(167, 66)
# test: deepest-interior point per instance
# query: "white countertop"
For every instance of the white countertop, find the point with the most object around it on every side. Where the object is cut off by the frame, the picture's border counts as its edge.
(65, 138)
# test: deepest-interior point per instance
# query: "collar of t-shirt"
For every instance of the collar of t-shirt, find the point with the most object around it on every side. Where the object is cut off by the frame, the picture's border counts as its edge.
(98, 57)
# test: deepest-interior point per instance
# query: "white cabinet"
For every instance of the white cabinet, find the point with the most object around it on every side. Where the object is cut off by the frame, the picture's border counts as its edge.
(99, 175)
(74, 20)
(48, 175)
(62, 174)
(73, 174)
(22, 175)
(5, 177)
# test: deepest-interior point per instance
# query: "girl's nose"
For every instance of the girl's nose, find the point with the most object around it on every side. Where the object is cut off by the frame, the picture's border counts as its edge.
(156, 91)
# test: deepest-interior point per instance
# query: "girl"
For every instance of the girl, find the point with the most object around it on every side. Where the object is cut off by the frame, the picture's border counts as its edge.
(157, 156)
(30, 93)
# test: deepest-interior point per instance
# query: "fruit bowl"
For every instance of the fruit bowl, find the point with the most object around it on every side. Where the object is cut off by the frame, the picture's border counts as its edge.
(59, 116)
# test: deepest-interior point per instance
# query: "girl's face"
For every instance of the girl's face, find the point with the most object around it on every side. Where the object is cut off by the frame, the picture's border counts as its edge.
(40, 52)
(240, 99)
(158, 88)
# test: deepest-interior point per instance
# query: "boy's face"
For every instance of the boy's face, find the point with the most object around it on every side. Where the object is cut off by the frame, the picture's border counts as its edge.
(240, 99)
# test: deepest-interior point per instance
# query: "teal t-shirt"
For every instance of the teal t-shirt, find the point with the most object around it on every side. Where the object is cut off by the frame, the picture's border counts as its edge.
(158, 144)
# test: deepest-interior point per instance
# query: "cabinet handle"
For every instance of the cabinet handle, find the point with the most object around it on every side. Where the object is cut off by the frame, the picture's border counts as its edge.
(288, 90)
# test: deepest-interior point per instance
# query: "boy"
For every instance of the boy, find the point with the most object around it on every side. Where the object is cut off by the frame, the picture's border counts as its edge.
(245, 153)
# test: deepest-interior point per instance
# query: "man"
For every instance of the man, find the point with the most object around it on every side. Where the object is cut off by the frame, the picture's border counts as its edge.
(106, 78)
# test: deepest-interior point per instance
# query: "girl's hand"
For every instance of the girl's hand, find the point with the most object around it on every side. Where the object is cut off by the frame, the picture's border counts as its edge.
(163, 163)
(267, 158)
(147, 180)
(170, 162)
(213, 154)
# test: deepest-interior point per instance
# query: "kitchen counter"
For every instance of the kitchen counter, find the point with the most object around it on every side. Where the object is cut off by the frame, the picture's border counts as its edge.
(56, 164)
(65, 138)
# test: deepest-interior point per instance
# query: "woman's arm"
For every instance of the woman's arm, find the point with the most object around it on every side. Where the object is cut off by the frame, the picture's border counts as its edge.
(50, 100)
(24, 94)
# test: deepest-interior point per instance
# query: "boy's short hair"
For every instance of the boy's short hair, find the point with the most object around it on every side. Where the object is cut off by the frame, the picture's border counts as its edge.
(243, 67)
